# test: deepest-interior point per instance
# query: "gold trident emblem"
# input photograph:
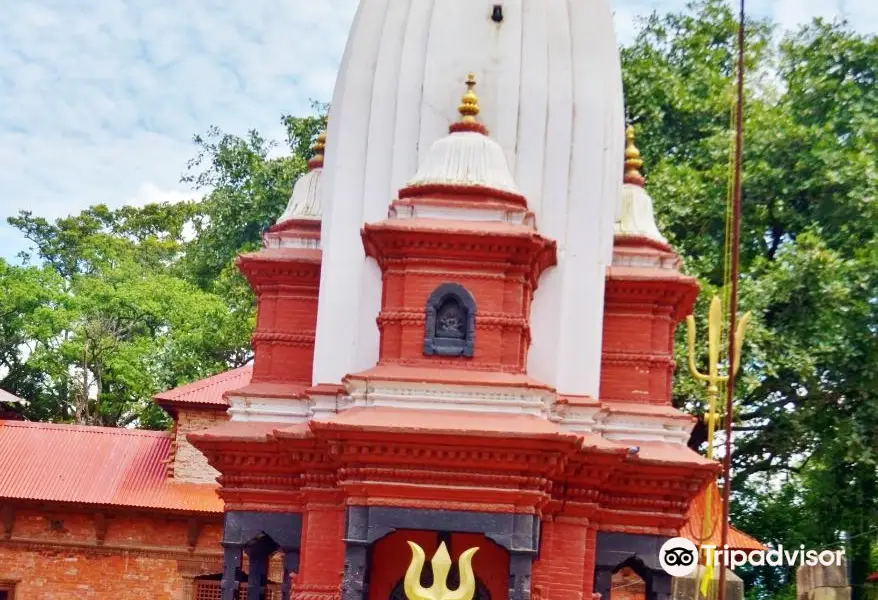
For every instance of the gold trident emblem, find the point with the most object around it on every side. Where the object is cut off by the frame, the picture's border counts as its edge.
(713, 378)
(441, 563)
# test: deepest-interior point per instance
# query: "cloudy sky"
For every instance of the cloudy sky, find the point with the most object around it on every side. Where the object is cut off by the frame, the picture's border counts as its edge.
(99, 98)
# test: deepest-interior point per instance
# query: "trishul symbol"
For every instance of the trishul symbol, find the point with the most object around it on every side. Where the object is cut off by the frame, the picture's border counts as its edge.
(441, 563)
(712, 377)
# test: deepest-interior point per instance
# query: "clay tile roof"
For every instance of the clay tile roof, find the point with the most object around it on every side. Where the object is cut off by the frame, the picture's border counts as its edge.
(95, 465)
(693, 529)
(209, 391)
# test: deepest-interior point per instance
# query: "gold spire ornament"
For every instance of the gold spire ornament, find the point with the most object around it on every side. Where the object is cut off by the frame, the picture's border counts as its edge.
(469, 104)
(317, 149)
(633, 162)
(469, 109)
(441, 563)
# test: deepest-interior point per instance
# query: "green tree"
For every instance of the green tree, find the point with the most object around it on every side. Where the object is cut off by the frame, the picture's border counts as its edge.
(247, 190)
(807, 422)
(105, 322)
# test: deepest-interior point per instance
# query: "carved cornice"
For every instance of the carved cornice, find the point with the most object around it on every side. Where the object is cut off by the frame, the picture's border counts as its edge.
(496, 480)
(339, 465)
(275, 274)
(304, 339)
(357, 453)
(388, 241)
(484, 320)
(421, 267)
(435, 362)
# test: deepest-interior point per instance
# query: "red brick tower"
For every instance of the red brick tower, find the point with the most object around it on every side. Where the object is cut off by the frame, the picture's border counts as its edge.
(285, 275)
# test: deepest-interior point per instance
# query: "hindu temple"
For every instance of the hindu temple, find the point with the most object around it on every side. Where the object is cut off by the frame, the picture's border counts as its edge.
(465, 324)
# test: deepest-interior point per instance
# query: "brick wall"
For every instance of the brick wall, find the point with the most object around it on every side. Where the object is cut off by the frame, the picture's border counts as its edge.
(58, 556)
(189, 463)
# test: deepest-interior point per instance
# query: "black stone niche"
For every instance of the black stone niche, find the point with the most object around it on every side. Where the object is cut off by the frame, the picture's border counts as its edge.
(450, 325)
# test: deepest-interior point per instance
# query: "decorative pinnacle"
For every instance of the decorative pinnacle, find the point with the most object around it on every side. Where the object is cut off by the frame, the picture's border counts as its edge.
(469, 104)
(318, 148)
(633, 162)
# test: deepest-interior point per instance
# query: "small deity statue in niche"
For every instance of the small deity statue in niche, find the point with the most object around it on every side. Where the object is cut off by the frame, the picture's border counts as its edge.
(449, 326)
(450, 320)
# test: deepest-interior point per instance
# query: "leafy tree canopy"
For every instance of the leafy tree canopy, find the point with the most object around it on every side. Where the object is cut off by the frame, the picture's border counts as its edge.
(806, 454)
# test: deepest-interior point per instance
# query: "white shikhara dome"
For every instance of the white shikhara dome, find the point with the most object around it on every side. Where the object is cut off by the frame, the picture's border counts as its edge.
(550, 89)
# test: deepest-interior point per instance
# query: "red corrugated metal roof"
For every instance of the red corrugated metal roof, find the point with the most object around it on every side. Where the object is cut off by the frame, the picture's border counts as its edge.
(95, 465)
(208, 391)
(693, 529)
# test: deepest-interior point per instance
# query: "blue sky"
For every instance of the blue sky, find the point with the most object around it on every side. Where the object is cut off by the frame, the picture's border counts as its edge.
(99, 99)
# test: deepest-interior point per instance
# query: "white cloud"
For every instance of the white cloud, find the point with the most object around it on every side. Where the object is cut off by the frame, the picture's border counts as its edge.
(100, 99)
(150, 193)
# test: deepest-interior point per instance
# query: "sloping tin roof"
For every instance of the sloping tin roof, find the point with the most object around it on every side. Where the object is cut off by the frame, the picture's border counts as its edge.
(209, 391)
(693, 529)
(95, 465)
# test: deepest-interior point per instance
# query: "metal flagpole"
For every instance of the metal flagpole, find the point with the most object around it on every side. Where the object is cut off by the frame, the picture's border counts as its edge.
(733, 296)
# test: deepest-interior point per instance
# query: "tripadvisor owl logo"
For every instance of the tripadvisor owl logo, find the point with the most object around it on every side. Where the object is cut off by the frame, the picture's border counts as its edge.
(678, 557)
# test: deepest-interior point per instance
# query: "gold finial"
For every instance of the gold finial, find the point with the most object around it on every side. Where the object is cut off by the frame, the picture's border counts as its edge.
(441, 563)
(469, 104)
(633, 161)
(317, 148)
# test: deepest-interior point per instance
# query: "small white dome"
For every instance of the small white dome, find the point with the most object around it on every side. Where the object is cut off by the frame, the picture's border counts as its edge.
(305, 201)
(466, 158)
(635, 215)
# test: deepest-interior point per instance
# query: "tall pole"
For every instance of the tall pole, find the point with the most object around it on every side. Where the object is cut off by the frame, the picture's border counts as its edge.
(733, 295)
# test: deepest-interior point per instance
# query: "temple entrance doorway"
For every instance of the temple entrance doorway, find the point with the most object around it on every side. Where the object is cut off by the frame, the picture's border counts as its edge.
(390, 557)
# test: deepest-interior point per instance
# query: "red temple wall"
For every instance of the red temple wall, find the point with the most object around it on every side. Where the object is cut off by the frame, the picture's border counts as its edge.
(498, 297)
